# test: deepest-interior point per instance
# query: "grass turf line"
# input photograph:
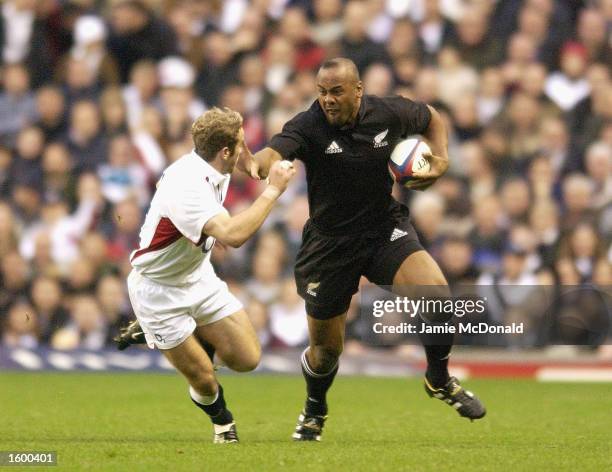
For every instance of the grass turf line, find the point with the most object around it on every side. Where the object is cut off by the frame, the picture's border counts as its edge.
(146, 422)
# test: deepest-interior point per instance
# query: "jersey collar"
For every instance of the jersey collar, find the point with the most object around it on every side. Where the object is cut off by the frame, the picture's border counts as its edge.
(213, 174)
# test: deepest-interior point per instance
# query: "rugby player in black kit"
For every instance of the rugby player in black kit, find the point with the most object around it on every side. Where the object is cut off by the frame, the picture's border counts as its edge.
(356, 227)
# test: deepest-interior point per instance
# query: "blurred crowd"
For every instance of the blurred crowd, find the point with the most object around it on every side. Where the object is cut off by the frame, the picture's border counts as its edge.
(97, 99)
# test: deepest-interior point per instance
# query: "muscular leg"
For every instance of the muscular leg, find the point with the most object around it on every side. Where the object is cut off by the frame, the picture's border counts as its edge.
(420, 269)
(191, 360)
(320, 360)
(234, 341)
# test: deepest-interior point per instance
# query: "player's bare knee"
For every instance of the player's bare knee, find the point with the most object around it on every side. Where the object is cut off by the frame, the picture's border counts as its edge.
(247, 361)
(254, 358)
(325, 358)
(204, 383)
(247, 365)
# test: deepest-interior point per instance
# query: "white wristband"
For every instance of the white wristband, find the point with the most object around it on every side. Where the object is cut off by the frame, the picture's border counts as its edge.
(271, 192)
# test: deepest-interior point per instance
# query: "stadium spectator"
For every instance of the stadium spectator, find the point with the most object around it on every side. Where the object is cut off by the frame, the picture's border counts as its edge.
(51, 112)
(327, 27)
(488, 236)
(480, 172)
(27, 199)
(258, 315)
(219, 68)
(85, 138)
(455, 257)
(23, 39)
(252, 76)
(356, 45)
(176, 79)
(265, 283)
(378, 80)
(42, 262)
(28, 151)
(80, 279)
(288, 326)
(464, 110)
(6, 160)
(93, 248)
(89, 46)
(577, 200)
(592, 34)
(520, 53)
(8, 230)
(17, 102)
(46, 295)
(124, 237)
(427, 211)
(113, 111)
(295, 27)
(515, 199)
(86, 328)
(234, 97)
(63, 228)
(598, 163)
(79, 81)
(434, 28)
(136, 33)
(114, 304)
(140, 91)
(15, 278)
(123, 177)
(295, 219)
(491, 94)
(475, 45)
(21, 326)
(544, 220)
(583, 247)
(569, 85)
(57, 180)
(555, 145)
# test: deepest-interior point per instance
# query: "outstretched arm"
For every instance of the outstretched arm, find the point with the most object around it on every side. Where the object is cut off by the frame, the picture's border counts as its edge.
(236, 230)
(258, 165)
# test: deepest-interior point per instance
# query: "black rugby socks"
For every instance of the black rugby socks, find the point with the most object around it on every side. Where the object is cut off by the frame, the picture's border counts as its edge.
(217, 410)
(317, 386)
(437, 364)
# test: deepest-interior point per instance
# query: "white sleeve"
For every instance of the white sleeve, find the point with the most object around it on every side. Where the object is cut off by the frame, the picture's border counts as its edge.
(191, 208)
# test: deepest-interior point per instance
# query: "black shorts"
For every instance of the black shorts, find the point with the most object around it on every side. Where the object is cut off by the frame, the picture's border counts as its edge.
(328, 268)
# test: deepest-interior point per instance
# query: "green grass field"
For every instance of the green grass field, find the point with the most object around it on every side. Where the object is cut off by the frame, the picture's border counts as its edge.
(128, 422)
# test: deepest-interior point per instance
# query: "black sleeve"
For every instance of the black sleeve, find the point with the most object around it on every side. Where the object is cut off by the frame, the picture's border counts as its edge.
(292, 142)
(413, 117)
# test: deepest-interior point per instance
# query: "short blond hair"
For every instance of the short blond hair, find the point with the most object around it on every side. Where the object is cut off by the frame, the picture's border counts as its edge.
(214, 130)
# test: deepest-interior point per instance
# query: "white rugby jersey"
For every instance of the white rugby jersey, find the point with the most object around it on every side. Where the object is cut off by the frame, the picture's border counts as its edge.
(172, 250)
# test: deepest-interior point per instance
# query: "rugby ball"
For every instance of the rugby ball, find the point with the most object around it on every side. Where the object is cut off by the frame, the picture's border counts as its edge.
(407, 160)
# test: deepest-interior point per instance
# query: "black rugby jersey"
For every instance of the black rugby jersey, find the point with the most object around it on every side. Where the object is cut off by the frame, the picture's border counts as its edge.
(349, 185)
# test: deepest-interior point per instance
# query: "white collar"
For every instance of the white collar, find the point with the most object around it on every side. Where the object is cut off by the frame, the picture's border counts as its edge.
(214, 175)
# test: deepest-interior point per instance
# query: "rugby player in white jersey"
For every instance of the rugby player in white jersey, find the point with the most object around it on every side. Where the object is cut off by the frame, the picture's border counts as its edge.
(180, 303)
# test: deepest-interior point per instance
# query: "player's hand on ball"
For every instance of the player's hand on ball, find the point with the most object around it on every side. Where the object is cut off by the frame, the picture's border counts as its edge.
(280, 174)
(438, 165)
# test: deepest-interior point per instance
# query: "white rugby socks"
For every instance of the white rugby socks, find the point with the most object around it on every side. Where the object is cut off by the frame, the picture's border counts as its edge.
(203, 399)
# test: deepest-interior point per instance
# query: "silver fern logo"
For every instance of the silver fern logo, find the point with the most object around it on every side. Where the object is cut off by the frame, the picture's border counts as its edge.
(312, 287)
(378, 139)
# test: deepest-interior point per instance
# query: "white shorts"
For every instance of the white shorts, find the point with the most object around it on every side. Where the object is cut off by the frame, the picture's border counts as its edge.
(169, 314)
